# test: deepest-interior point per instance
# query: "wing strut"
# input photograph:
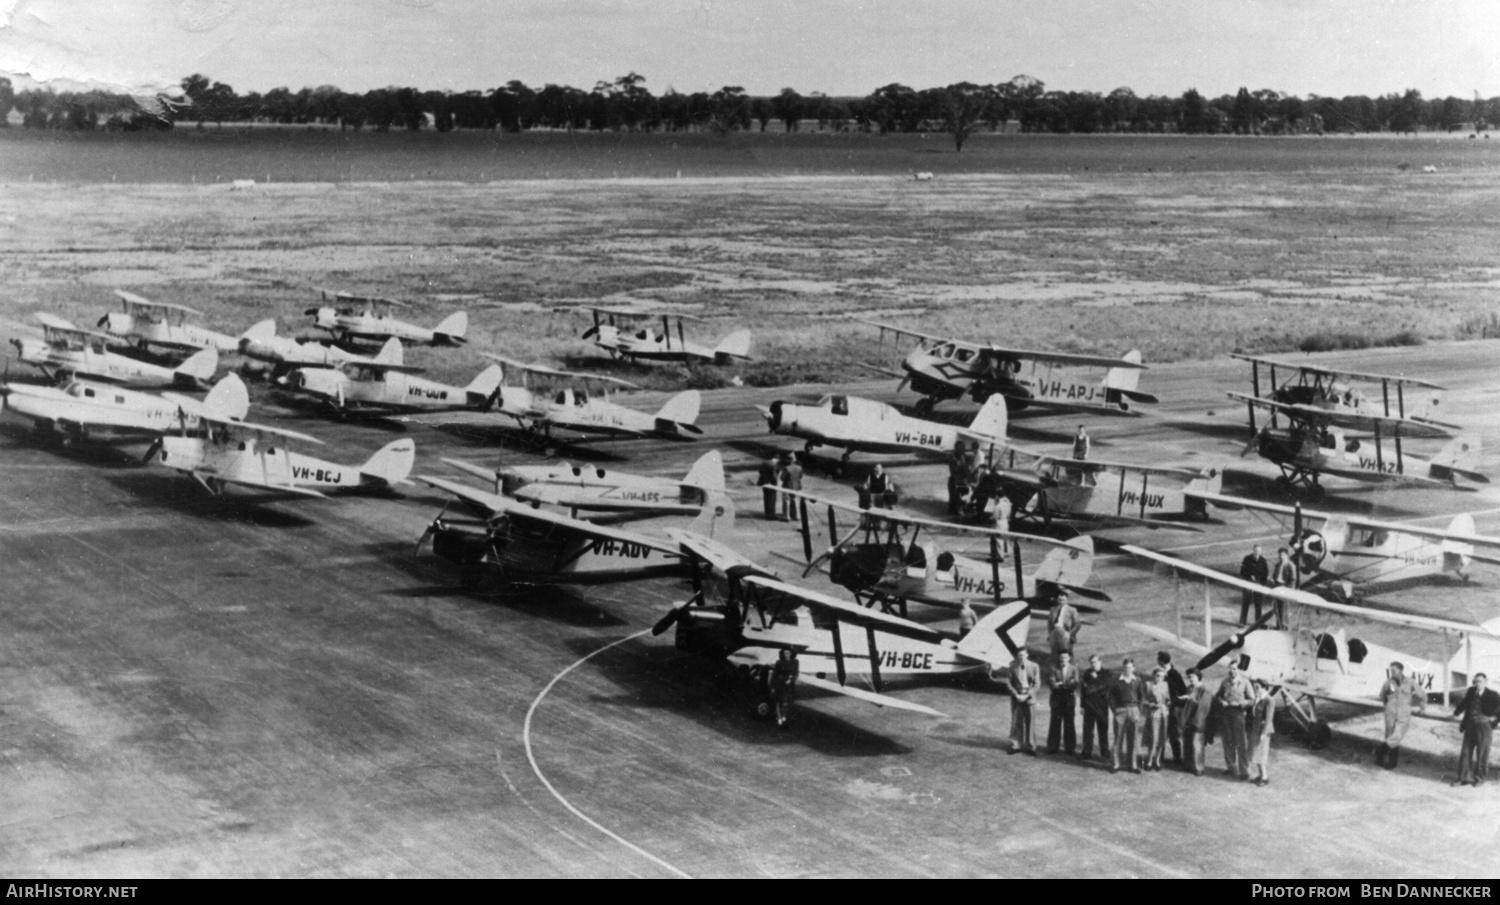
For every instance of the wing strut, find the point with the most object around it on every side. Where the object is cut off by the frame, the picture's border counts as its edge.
(838, 652)
(874, 660)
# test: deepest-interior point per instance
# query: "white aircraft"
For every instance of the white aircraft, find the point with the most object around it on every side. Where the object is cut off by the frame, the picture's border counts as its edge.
(577, 411)
(521, 539)
(882, 559)
(82, 408)
(642, 343)
(1350, 551)
(1108, 493)
(145, 323)
(384, 384)
(366, 319)
(70, 350)
(1331, 396)
(748, 616)
(864, 425)
(580, 488)
(284, 352)
(258, 456)
(1310, 662)
(940, 368)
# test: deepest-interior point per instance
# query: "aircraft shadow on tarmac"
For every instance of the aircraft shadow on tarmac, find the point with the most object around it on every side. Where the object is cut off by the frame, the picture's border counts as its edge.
(513, 439)
(655, 675)
(182, 494)
(101, 452)
(308, 409)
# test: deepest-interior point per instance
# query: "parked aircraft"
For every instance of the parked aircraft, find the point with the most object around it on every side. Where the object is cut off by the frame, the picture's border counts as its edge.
(1307, 663)
(260, 457)
(942, 368)
(1108, 493)
(360, 318)
(524, 540)
(742, 612)
(864, 425)
(882, 560)
(1348, 551)
(383, 384)
(284, 352)
(582, 488)
(70, 350)
(1331, 395)
(145, 323)
(643, 343)
(83, 409)
(578, 412)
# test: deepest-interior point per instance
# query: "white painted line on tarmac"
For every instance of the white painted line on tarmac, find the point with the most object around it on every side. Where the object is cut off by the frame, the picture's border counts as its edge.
(535, 768)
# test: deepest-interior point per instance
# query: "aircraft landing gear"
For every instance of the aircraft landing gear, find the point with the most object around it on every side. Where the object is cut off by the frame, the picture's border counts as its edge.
(842, 464)
(1319, 734)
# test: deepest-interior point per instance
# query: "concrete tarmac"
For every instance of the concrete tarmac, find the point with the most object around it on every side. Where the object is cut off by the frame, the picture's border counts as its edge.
(201, 686)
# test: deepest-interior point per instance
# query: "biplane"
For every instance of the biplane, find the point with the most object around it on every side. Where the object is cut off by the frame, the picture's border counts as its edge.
(359, 318)
(577, 411)
(636, 340)
(1347, 552)
(261, 457)
(1310, 661)
(581, 488)
(942, 368)
(744, 613)
(882, 560)
(864, 425)
(1331, 396)
(522, 539)
(66, 349)
(82, 409)
(384, 384)
(144, 323)
(1107, 493)
(284, 353)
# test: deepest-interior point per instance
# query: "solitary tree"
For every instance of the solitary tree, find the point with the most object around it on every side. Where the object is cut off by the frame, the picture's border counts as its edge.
(961, 105)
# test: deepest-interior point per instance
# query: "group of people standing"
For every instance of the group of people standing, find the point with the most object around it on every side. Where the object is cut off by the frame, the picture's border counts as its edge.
(777, 473)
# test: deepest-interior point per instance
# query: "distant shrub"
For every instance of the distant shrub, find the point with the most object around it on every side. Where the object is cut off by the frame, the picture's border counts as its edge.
(707, 378)
(1405, 338)
(1479, 326)
(1332, 342)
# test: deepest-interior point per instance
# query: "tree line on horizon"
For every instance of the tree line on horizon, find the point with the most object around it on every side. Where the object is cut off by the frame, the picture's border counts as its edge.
(625, 104)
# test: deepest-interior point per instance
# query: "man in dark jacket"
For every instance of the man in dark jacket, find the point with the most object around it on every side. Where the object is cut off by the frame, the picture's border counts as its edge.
(1095, 685)
(1480, 709)
(1253, 567)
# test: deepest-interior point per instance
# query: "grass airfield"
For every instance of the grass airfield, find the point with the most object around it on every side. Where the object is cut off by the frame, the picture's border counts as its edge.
(204, 687)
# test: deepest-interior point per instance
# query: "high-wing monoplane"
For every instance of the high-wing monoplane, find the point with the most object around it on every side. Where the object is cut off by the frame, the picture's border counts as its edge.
(741, 611)
(359, 318)
(1347, 552)
(523, 540)
(284, 352)
(637, 340)
(587, 488)
(942, 368)
(66, 349)
(1107, 493)
(82, 409)
(1333, 394)
(1310, 662)
(145, 323)
(864, 425)
(882, 559)
(383, 384)
(261, 457)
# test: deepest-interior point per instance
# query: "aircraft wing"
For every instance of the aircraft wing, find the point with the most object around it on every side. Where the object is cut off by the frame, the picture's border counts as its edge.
(869, 697)
(1333, 372)
(1229, 502)
(850, 613)
(1409, 427)
(208, 414)
(139, 301)
(1092, 465)
(353, 297)
(900, 518)
(1060, 358)
(877, 369)
(636, 311)
(902, 331)
(544, 371)
(719, 555)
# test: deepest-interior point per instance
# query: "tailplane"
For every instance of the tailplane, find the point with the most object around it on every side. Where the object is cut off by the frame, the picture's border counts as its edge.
(452, 330)
(735, 345)
(1067, 566)
(997, 637)
(1123, 381)
(1458, 458)
(390, 464)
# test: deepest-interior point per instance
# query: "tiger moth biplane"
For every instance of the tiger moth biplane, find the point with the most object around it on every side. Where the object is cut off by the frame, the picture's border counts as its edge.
(587, 488)
(635, 341)
(144, 323)
(284, 353)
(1107, 493)
(942, 368)
(367, 319)
(66, 349)
(577, 411)
(1331, 393)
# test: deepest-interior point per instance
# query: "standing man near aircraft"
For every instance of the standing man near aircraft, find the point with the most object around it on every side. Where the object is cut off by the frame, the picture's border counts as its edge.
(791, 479)
(1062, 626)
(1196, 706)
(1125, 696)
(1283, 575)
(967, 619)
(1063, 680)
(1095, 687)
(1397, 695)
(769, 481)
(784, 683)
(1023, 682)
(881, 491)
(1234, 698)
(1081, 444)
(1263, 726)
(1253, 568)
(1176, 688)
(1481, 712)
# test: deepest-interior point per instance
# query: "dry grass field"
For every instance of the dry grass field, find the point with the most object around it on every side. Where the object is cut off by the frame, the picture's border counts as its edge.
(1182, 247)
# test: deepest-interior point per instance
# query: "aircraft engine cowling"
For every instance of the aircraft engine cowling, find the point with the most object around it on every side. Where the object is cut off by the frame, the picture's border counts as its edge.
(465, 547)
(706, 630)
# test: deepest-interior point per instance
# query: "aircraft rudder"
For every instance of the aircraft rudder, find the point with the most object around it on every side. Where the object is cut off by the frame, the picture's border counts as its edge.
(984, 641)
(260, 332)
(1070, 564)
(735, 345)
(682, 408)
(993, 419)
(1458, 456)
(716, 518)
(391, 464)
(229, 398)
(485, 386)
(707, 472)
(200, 366)
(453, 328)
(1124, 378)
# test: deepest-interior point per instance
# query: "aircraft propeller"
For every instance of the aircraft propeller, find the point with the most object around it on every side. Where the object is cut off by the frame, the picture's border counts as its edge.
(152, 450)
(826, 554)
(102, 321)
(1254, 441)
(1235, 641)
(673, 615)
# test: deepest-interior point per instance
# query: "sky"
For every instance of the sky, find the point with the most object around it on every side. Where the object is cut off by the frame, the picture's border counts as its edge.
(838, 47)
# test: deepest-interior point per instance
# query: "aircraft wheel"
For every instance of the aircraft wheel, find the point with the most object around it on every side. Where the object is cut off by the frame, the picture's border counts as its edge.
(763, 708)
(1319, 735)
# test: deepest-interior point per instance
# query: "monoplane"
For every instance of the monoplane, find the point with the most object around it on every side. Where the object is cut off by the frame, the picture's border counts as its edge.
(66, 349)
(383, 384)
(581, 488)
(942, 368)
(636, 341)
(864, 425)
(883, 560)
(82, 409)
(261, 457)
(1100, 492)
(1309, 662)
(359, 318)
(145, 323)
(284, 353)
(1344, 553)
(744, 613)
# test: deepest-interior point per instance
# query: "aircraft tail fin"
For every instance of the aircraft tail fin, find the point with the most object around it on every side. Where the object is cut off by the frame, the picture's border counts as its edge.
(229, 398)
(261, 332)
(680, 412)
(392, 353)
(485, 389)
(996, 637)
(1458, 458)
(1124, 378)
(1068, 566)
(199, 368)
(735, 345)
(452, 330)
(390, 465)
(716, 519)
(707, 472)
(1456, 553)
(993, 419)
(1481, 653)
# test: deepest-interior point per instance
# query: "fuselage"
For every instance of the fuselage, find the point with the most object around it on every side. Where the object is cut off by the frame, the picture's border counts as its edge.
(90, 406)
(355, 386)
(861, 425)
(148, 331)
(249, 459)
(91, 359)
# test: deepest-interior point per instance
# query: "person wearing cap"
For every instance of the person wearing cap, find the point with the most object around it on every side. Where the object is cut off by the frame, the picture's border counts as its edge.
(1234, 698)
